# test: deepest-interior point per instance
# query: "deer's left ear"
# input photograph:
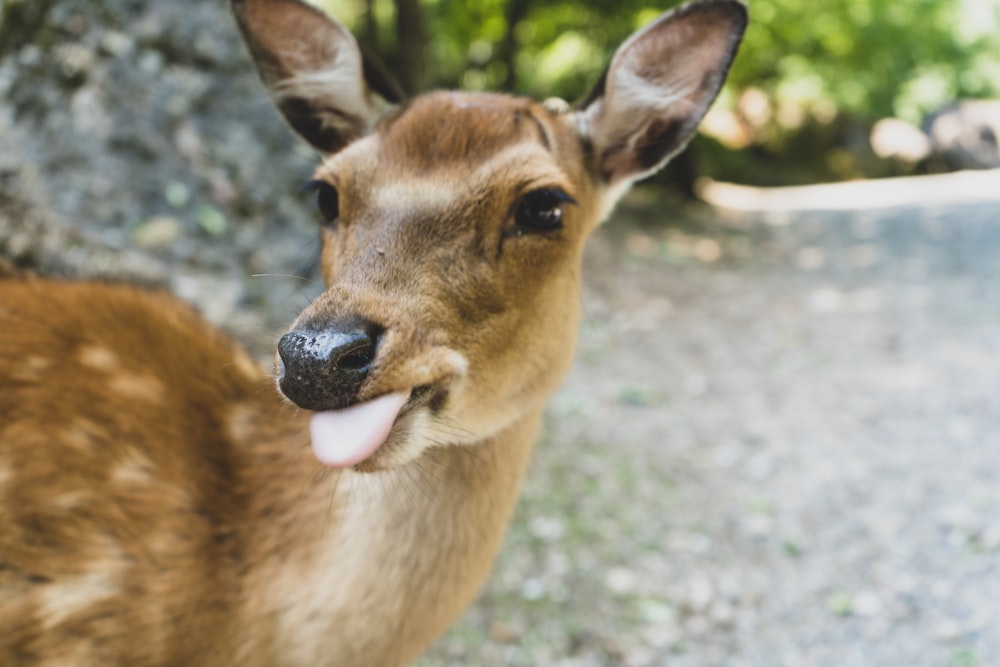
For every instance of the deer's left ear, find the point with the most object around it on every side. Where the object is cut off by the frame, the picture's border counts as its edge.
(658, 87)
(326, 89)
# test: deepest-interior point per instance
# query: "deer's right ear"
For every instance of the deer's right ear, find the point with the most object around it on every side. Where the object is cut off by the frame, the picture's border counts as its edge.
(658, 87)
(326, 89)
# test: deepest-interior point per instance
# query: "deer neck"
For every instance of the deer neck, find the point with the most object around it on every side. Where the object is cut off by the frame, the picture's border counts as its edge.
(436, 525)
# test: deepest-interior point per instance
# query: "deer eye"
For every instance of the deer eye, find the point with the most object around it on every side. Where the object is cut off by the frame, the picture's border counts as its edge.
(327, 200)
(542, 210)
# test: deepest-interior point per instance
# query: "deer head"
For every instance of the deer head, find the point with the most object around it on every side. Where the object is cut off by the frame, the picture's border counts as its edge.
(453, 224)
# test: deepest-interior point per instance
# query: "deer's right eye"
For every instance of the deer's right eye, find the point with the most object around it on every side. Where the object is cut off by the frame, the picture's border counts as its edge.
(542, 210)
(327, 200)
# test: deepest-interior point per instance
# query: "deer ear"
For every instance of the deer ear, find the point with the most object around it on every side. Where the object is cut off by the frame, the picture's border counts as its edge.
(326, 89)
(658, 87)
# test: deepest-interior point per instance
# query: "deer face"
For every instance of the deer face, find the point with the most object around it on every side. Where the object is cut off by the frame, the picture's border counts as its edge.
(448, 280)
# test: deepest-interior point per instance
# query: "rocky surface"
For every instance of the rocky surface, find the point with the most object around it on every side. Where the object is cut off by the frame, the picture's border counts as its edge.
(141, 138)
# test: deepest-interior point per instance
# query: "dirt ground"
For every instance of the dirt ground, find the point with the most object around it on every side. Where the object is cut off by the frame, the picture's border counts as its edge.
(778, 447)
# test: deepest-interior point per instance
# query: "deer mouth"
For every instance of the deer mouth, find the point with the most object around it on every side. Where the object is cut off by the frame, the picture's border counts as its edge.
(349, 436)
(346, 437)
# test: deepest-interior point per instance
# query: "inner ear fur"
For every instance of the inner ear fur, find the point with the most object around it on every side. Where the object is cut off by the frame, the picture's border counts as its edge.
(329, 92)
(658, 87)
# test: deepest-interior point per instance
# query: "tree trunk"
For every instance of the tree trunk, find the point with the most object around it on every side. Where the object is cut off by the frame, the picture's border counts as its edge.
(409, 61)
(517, 10)
(369, 36)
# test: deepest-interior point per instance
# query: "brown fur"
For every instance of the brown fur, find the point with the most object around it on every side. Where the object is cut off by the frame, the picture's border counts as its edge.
(159, 503)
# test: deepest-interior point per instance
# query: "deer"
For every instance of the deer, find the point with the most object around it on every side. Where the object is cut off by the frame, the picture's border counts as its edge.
(165, 501)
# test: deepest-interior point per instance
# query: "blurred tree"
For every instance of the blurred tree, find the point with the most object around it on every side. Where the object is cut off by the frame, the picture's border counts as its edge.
(408, 64)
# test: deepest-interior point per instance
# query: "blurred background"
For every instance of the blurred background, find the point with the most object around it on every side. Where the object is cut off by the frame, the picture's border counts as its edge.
(779, 444)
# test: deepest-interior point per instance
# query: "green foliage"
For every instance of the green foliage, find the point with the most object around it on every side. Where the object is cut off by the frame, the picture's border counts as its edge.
(871, 58)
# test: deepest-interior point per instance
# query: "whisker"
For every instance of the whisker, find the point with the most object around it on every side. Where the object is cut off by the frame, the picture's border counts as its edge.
(283, 275)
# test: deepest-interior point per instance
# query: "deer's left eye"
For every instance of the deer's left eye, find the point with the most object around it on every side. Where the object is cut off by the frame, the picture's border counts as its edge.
(327, 200)
(542, 210)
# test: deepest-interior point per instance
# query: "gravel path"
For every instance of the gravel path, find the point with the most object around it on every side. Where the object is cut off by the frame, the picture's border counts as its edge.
(779, 447)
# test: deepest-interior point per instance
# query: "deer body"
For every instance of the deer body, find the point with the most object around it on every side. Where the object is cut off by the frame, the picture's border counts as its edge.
(159, 503)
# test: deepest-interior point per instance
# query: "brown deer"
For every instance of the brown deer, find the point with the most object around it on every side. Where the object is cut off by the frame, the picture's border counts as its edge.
(159, 502)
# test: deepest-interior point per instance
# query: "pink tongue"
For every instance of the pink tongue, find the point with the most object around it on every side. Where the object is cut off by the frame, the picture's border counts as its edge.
(341, 438)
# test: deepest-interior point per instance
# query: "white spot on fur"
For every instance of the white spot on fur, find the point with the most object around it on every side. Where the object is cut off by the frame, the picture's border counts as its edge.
(70, 499)
(6, 474)
(81, 435)
(59, 601)
(31, 368)
(240, 423)
(143, 387)
(136, 468)
(247, 367)
(99, 358)
(419, 195)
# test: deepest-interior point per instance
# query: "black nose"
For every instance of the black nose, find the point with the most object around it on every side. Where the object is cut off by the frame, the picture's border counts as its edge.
(323, 369)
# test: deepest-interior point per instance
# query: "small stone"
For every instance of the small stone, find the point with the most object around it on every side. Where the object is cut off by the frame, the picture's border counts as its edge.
(151, 62)
(116, 44)
(547, 528)
(759, 526)
(731, 586)
(656, 611)
(533, 589)
(700, 593)
(948, 630)
(989, 538)
(157, 232)
(825, 300)
(722, 614)
(662, 635)
(74, 59)
(867, 605)
(620, 580)
(177, 194)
